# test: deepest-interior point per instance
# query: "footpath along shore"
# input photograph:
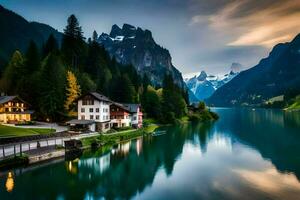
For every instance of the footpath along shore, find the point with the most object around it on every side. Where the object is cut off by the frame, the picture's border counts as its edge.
(44, 149)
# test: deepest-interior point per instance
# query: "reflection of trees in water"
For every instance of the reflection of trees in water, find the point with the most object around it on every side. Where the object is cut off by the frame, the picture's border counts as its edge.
(273, 133)
(134, 172)
(292, 119)
(113, 175)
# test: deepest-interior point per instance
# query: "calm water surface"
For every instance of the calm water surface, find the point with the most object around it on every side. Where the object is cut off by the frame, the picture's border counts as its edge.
(247, 154)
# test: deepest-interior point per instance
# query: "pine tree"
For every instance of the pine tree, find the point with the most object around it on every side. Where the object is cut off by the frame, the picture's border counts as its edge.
(32, 58)
(28, 83)
(74, 48)
(73, 91)
(52, 88)
(51, 45)
(13, 73)
(73, 29)
(86, 83)
(95, 36)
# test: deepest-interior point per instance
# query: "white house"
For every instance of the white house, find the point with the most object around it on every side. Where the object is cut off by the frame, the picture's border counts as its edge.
(93, 110)
(136, 114)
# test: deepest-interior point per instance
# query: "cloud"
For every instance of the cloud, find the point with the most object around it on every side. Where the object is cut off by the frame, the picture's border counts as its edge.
(263, 23)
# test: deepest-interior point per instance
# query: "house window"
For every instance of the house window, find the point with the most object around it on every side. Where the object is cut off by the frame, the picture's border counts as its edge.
(82, 110)
(87, 102)
(97, 109)
(97, 116)
(82, 117)
(91, 110)
(91, 116)
(134, 118)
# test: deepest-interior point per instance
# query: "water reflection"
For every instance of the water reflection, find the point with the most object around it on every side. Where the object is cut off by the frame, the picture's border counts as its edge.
(9, 182)
(245, 155)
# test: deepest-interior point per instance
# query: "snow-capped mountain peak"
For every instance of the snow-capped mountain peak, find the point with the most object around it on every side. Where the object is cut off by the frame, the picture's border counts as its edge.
(203, 85)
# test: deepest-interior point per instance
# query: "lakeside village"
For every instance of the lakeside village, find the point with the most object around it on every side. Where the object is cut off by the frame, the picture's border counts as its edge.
(96, 114)
(56, 81)
(99, 121)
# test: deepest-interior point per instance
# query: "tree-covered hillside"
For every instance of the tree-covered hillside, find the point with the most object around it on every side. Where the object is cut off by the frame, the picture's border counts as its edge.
(53, 76)
(276, 75)
(16, 33)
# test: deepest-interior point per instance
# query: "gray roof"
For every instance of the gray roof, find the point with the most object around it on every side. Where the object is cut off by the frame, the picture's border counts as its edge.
(81, 122)
(121, 106)
(4, 99)
(132, 107)
(98, 96)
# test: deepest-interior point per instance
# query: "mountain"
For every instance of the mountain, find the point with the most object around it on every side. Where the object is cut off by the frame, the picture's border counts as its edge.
(16, 33)
(203, 85)
(276, 75)
(131, 45)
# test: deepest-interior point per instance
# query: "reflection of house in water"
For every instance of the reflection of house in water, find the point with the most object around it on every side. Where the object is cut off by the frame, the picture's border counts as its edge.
(98, 165)
(123, 148)
(139, 145)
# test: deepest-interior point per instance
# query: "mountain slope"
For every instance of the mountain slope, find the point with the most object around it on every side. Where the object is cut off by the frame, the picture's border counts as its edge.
(203, 86)
(131, 45)
(276, 75)
(16, 33)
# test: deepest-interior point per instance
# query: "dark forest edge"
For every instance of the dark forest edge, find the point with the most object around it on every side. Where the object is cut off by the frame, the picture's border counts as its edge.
(50, 79)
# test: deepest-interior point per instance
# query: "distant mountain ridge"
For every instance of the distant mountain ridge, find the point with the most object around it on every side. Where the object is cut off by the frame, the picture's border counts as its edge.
(16, 33)
(131, 45)
(203, 85)
(278, 74)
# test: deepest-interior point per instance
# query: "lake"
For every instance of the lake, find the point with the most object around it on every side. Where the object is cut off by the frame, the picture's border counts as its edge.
(246, 154)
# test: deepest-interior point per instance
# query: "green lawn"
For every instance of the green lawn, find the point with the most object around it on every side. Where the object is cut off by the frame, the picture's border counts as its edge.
(113, 138)
(295, 105)
(8, 131)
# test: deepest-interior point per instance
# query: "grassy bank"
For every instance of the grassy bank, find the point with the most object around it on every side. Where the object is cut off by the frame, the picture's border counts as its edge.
(9, 131)
(114, 138)
(295, 105)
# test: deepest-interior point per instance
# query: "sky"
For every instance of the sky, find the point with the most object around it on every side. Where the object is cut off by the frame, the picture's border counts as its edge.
(205, 35)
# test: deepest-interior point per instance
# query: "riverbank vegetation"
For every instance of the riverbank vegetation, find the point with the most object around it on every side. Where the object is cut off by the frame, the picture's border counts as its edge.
(294, 104)
(114, 138)
(202, 113)
(10, 131)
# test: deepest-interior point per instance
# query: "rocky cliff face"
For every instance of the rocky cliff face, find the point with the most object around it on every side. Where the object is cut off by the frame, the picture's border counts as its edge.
(131, 45)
